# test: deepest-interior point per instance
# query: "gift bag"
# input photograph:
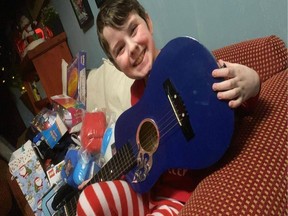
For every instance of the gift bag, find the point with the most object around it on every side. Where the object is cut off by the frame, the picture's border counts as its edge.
(30, 176)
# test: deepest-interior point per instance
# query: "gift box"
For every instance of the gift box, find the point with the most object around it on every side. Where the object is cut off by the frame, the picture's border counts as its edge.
(54, 173)
(30, 176)
(51, 126)
(76, 78)
(70, 110)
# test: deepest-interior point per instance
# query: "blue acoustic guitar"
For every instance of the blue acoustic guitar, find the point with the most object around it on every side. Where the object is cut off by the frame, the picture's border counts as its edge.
(178, 123)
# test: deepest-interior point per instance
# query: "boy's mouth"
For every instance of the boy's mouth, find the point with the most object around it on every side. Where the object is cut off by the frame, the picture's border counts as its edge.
(139, 59)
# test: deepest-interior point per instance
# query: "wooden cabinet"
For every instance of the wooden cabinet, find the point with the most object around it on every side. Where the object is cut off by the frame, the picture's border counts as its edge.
(45, 62)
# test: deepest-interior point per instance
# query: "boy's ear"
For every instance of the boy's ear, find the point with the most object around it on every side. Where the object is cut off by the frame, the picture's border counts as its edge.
(149, 23)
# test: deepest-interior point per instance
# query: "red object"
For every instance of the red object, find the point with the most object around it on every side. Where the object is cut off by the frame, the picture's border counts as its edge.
(39, 33)
(48, 31)
(92, 131)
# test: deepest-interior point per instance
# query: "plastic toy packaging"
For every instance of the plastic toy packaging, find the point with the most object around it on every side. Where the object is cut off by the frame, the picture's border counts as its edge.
(79, 166)
(108, 147)
(70, 110)
(89, 155)
(50, 125)
(92, 131)
(85, 167)
(96, 138)
(44, 119)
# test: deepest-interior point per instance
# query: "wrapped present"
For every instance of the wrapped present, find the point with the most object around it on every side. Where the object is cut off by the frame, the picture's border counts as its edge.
(30, 176)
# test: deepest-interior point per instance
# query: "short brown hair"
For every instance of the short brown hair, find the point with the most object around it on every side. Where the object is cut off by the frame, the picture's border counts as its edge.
(114, 13)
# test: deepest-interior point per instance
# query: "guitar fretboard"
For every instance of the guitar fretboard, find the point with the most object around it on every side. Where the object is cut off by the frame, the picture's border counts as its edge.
(117, 166)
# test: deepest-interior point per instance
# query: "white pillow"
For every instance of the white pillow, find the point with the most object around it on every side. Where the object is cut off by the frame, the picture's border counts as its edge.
(108, 88)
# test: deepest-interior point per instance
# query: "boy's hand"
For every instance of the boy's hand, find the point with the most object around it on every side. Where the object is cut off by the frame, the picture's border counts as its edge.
(240, 84)
(83, 184)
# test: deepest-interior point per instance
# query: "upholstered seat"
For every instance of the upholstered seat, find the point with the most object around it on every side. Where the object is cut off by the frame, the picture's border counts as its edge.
(251, 179)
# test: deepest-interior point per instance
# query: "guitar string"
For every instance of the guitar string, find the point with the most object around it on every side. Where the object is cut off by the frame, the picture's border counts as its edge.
(145, 138)
(162, 121)
(120, 163)
(173, 122)
(120, 167)
(169, 123)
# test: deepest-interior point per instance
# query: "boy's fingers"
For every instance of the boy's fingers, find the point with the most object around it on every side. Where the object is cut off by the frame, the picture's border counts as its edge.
(225, 70)
(229, 95)
(221, 72)
(224, 85)
(235, 103)
(222, 64)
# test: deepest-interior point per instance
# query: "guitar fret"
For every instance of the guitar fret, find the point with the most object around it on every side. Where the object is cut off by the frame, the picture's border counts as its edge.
(70, 207)
(130, 159)
(117, 159)
(109, 167)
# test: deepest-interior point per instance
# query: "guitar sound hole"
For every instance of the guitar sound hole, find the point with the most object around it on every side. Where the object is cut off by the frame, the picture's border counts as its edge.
(148, 135)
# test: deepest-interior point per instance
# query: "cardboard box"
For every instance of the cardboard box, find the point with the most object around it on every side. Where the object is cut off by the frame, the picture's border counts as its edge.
(70, 110)
(76, 78)
(54, 173)
(50, 125)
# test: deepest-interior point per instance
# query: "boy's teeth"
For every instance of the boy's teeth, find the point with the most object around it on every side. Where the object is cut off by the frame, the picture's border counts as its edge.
(139, 59)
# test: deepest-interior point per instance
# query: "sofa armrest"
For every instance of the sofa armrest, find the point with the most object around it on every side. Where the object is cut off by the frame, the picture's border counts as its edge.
(266, 55)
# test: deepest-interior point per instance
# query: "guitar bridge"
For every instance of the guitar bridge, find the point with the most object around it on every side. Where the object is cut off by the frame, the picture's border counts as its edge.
(179, 109)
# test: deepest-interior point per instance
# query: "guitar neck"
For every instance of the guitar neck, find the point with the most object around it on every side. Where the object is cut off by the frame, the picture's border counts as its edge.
(117, 166)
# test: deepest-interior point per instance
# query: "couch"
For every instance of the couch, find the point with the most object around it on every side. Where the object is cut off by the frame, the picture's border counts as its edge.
(251, 178)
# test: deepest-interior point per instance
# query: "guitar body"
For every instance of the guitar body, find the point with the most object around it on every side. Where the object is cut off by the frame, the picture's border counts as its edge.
(192, 131)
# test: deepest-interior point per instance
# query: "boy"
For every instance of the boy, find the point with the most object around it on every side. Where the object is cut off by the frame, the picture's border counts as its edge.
(125, 33)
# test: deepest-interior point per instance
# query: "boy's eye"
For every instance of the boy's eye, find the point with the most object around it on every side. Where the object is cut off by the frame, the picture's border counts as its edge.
(133, 30)
(119, 50)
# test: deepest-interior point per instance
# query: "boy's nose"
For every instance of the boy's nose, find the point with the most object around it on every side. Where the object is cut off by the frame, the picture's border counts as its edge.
(133, 47)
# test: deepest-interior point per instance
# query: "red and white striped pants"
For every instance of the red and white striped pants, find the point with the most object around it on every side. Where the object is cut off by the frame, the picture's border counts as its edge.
(118, 198)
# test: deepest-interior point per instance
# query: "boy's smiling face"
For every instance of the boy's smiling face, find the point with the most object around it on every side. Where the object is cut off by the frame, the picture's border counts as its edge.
(132, 48)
